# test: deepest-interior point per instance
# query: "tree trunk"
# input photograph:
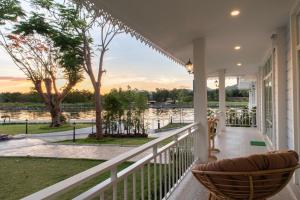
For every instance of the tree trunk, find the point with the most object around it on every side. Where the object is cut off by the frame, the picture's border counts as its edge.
(98, 107)
(56, 113)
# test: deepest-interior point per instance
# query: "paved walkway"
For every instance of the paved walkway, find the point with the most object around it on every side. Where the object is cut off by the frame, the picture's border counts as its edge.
(100, 152)
(38, 145)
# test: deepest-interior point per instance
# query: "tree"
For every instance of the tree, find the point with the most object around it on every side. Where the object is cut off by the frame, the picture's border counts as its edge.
(44, 49)
(140, 100)
(79, 96)
(124, 108)
(114, 109)
(10, 10)
(97, 34)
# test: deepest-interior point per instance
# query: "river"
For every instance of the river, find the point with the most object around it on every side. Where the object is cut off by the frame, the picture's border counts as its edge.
(152, 115)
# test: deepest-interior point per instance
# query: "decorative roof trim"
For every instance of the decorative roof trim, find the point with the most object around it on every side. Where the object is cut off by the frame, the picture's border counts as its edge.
(128, 30)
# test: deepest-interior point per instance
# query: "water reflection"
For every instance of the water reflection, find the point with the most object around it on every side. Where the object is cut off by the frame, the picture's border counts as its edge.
(186, 114)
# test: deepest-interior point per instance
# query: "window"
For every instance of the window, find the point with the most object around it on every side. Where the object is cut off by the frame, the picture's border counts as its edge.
(268, 105)
(298, 28)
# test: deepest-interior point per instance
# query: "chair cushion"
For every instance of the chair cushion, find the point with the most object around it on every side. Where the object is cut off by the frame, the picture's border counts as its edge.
(256, 162)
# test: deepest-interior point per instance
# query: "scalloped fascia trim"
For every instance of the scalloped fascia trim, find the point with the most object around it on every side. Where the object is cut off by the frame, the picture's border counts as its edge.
(128, 30)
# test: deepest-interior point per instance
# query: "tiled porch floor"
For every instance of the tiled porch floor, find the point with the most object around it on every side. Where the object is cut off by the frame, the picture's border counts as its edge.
(234, 142)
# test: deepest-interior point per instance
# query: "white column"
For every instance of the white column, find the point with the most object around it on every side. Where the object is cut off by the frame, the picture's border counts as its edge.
(200, 97)
(262, 100)
(222, 100)
(258, 101)
(279, 70)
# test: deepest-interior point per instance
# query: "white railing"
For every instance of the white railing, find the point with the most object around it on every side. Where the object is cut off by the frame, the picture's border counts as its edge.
(163, 164)
(241, 118)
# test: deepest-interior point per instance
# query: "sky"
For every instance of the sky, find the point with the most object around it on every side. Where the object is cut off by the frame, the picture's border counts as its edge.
(128, 62)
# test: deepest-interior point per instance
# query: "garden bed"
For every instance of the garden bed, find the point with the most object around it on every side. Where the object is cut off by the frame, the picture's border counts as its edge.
(130, 141)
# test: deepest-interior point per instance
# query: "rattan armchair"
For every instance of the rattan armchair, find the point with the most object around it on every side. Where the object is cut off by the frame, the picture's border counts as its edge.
(256, 185)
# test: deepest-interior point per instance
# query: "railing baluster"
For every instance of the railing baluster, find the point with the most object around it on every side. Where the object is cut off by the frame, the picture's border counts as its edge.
(160, 176)
(113, 176)
(133, 186)
(102, 195)
(149, 182)
(176, 160)
(155, 177)
(190, 150)
(125, 188)
(180, 159)
(169, 169)
(173, 166)
(142, 183)
(165, 173)
(185, 153)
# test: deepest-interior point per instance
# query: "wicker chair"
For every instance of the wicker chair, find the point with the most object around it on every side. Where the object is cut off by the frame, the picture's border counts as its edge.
(258, 185)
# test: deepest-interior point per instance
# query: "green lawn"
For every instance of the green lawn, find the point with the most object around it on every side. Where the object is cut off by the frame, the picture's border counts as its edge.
(20, 177)
(135, 141)
(13, 129)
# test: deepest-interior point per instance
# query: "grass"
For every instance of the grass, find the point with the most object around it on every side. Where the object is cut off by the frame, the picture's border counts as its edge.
(21, 176)
(134, 141)
(171, 126)
(13, 129)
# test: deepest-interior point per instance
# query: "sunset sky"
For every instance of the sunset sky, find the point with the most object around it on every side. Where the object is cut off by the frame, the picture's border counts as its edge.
(128, 62)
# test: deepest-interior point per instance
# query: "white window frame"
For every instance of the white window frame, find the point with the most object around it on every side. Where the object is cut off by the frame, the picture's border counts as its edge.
(271, 141)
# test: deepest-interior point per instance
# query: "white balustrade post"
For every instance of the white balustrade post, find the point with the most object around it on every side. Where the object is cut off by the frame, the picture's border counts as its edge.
(222, 100)
(200, 98)
(114, 177)
(155, 176)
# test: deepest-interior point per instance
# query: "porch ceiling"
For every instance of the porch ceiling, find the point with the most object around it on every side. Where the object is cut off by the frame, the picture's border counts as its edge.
(174, 24)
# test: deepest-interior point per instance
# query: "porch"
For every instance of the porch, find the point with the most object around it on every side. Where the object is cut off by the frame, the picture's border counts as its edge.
(259, 44)
(234, 142)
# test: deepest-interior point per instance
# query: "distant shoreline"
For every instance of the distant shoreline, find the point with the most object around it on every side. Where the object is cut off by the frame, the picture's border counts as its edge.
(89, 106)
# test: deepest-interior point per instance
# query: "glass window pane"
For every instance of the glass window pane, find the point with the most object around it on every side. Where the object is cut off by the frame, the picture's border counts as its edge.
(298, 29)
(268, 129)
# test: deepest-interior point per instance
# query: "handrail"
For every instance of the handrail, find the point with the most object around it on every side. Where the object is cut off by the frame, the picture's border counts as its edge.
(69, 183)
(91, 192)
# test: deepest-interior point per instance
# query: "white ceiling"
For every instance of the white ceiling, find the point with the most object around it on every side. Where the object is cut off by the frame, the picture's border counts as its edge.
(174, 24)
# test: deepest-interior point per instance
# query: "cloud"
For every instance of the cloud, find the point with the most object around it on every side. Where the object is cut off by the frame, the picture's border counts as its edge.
(12, 78)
